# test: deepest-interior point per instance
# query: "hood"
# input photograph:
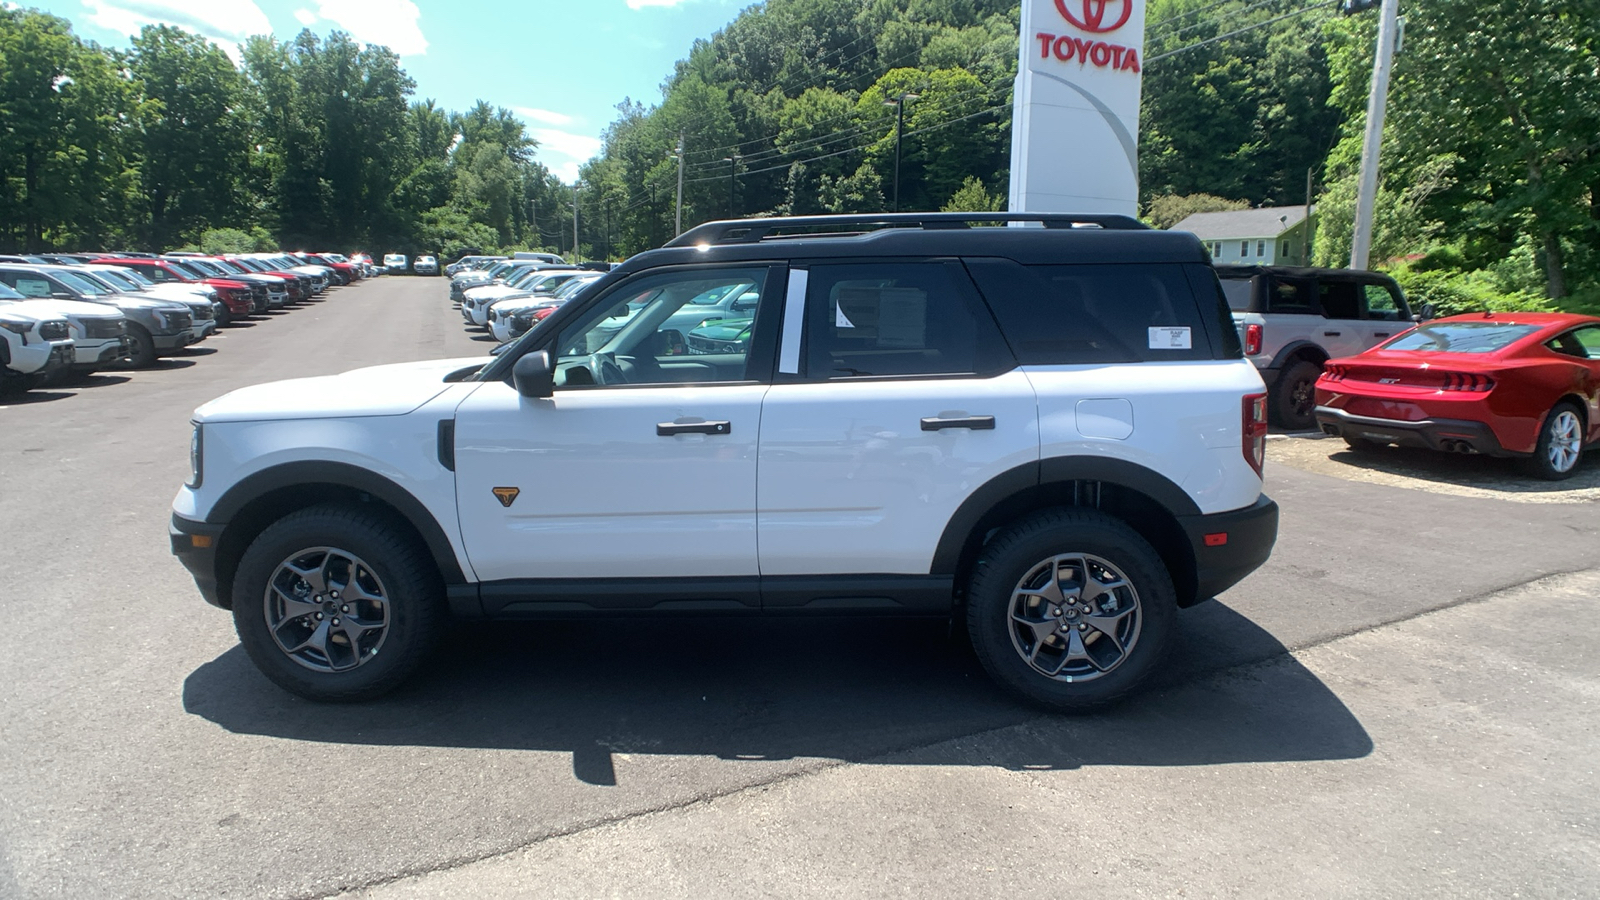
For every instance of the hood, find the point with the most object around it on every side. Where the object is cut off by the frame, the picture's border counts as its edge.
(391, 390)
(492, 292)
(128, 301)
(318, 271)
(519, 302)
(75, 308)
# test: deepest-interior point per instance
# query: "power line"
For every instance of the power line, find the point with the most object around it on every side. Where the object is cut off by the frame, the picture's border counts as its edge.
(1187, 47)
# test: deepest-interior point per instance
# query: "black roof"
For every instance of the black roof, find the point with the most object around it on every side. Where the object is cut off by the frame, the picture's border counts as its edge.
(1241, 272)
(1063, 239)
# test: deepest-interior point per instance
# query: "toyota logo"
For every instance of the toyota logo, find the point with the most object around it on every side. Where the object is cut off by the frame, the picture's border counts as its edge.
(1094, 14)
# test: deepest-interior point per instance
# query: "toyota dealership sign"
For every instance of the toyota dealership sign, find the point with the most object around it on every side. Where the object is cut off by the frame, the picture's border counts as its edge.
(1075, 128)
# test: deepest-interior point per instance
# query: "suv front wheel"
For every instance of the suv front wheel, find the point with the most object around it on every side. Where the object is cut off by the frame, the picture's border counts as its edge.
(335, 603)
(1071, 609)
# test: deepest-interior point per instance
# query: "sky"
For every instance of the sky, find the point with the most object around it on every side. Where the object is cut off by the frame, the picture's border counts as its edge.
(562, 65)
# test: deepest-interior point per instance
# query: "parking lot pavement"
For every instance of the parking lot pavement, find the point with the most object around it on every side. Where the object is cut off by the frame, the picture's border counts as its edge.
(1449, 755)
(142, 756)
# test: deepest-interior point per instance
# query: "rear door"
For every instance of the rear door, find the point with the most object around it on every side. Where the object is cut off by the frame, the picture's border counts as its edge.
(895, 398)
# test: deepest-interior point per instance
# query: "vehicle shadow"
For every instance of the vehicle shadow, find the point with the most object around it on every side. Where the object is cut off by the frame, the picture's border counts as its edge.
(198, 351)
(1484, 472)
(239, 323)
(774, 689)
(483, 337)
(166, 364)
(96, 380)
(36, 395)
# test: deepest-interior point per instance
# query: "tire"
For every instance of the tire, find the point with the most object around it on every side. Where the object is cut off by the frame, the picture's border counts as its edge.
(1018, 562)
(224, 316)
(401, 612)
(141, 347)
(1294, 396)
(1560, 447)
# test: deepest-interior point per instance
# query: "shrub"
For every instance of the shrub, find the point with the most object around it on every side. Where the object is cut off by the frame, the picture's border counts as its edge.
(1453, 293)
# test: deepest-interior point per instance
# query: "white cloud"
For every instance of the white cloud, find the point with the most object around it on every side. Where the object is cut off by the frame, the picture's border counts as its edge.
(542, 115)
(641, 4)
(305, 17)
(392, 23)
(225, 21)
(564, 151)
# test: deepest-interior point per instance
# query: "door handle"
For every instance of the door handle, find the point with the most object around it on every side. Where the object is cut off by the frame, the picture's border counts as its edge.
(668, 429)
(976, 423)
(1380, 334)
(1332, 333)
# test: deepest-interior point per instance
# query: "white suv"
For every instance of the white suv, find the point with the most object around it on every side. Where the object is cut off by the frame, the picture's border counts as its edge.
(1049, 432)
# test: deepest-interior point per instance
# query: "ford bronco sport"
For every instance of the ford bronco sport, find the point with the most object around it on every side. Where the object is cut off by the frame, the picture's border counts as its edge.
(1048, 431)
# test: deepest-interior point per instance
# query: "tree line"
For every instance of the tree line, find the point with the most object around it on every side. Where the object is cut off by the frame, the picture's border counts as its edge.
(1491, 161)
(307, 143)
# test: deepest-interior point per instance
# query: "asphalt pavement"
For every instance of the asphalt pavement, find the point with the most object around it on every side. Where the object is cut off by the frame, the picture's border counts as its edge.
(1402, 701)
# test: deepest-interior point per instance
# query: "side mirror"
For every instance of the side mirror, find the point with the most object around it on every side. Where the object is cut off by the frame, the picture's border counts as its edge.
(1427, 311)
(621, 312)
(676, 346)
(534, 374)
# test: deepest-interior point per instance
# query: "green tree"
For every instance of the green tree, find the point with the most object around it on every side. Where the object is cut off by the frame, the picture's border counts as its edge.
(1167, 210)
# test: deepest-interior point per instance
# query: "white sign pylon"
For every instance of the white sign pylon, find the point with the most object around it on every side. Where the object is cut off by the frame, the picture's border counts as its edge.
(1075, 119)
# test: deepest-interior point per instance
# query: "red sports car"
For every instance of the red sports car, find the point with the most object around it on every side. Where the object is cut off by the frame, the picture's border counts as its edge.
(1503, 384)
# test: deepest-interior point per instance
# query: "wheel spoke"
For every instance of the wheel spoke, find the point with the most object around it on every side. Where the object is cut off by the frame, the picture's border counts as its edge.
(1076, 651)
(294, 607)
(1109, 625)
(1042, 627)
(1050, 593)
(315, 577)
(317, 640)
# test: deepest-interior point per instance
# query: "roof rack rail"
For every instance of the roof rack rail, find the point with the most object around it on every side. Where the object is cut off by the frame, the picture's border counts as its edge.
(747, 231)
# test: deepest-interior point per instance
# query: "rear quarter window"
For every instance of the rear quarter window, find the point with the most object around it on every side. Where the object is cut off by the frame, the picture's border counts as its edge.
(1066, 314)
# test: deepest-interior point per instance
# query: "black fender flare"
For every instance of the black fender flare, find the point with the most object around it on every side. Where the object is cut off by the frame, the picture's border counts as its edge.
(1297, 348)
(344, 475)
(1058, 470)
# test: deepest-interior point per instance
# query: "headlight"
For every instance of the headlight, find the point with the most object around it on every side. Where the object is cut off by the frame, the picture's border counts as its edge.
(160, 317)
(18, 326)
(196, 445)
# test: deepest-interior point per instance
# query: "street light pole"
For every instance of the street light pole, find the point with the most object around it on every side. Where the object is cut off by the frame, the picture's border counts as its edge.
(733, 168)
(574, 218)
(899, 104)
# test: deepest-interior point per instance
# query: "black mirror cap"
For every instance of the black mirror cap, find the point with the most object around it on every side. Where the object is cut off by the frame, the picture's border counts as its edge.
(1427, 311)
(534, 374)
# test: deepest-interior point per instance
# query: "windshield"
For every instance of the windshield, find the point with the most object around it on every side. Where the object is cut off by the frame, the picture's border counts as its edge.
(572, 287)
(188, 271)
(205, 265)
(136, 276)
(228, 267)
(117, 278)
(1462, 337)
(82, 285)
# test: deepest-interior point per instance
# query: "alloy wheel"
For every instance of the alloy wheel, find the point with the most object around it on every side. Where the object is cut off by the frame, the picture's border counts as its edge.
(1566, 440)
(1074, 617)
(326, 609)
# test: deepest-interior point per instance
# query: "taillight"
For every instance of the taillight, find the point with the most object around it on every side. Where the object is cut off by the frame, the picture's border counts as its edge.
(1466, 381)
(1334, 373)
(1252, 339)
(1253, 427)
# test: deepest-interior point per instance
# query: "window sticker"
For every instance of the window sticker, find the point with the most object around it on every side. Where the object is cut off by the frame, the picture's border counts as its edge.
(902, 318)
(1171, 338)
(840, 320)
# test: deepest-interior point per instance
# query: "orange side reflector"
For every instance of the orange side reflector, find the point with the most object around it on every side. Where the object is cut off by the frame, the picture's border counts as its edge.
(1217, 540)
(204, 540)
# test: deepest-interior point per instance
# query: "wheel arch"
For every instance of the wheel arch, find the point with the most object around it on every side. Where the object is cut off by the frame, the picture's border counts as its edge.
(1146, 500)
(1295, 351)
(262, 498)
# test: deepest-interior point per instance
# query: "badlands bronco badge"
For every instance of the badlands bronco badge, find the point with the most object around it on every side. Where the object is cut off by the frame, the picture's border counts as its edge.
(506, 496)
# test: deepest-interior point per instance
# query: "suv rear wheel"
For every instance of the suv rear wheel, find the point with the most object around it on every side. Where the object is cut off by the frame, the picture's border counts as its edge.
(1294, 397)
(1071, 609)
(335, 603)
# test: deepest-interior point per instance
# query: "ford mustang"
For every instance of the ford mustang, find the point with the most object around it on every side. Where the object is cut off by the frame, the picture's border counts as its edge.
(1523, 385)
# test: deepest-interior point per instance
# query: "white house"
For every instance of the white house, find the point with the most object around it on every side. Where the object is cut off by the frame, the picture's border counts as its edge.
(1269, 236)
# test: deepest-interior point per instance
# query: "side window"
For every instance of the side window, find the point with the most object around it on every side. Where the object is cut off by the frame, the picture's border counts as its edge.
(1060, 314)
(1380, 303)
(1291, 296)
(1244, 248)
(156, 274)
(647, 331)
(1589, 338)
(31, 285)
(888, 319)
(1340, 299)
(1261, 248)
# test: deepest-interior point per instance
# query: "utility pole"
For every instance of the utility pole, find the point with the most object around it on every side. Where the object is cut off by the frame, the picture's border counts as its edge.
(1305, 247)
(733, 167)
(899, 104)
(1377, 100)
(606, 205)
(574, 218)
(678, 227)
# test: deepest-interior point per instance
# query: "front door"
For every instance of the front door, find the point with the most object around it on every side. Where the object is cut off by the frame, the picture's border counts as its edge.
(642, 465)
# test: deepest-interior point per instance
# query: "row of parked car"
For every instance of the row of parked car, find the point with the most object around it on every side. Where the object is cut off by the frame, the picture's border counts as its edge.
(68, 315)
(508, 296)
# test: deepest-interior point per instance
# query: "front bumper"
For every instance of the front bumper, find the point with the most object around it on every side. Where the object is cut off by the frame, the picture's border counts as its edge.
(1430, 434)
(168, 343)
(1228, 546)
(195, 545)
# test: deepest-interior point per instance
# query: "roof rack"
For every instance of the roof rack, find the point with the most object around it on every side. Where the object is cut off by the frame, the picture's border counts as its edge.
(747, 231)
